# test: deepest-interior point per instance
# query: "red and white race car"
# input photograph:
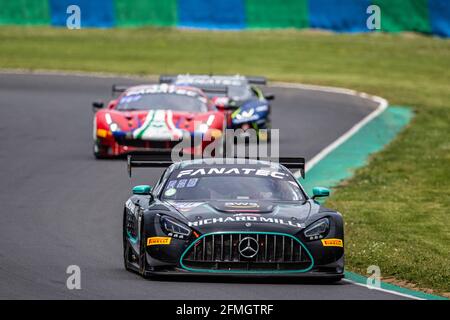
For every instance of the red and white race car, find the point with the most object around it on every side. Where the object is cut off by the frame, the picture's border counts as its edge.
(154, 119)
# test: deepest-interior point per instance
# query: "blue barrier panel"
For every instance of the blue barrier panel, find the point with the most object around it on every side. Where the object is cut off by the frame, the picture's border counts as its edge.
(211, 14)
(98, 13)
(440, 17)
(339, 15)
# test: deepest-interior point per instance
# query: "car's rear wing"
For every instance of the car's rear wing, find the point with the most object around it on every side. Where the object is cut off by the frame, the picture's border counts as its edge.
(171, 78)
(206, 88)
(168, 78)
(161, 161)
(262, 81)
(117, 88)
(147, 161)
(294, 163)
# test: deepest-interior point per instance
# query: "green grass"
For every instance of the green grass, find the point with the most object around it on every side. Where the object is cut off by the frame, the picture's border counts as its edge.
(397, 209)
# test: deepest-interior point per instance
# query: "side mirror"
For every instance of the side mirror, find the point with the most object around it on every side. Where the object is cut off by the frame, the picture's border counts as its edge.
(269, 96)
(319, 192)
(142, 190)
(97, 105)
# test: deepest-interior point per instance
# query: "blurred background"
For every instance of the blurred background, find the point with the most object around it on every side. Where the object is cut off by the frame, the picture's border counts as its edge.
(425, 16)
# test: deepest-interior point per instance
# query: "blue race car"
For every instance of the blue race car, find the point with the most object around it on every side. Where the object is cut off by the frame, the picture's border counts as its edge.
(243, 102)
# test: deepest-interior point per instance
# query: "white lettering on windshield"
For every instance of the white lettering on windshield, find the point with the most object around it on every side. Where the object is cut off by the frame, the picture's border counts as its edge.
(235, 171)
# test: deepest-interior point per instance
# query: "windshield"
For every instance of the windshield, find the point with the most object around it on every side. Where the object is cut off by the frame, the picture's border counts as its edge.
(238, 93)
(234, 187)
(162, 101)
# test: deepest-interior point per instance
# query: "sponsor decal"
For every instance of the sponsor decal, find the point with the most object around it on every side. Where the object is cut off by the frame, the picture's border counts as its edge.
(171, 184)
(246, 218)
(248, 247)
(182, 183)
(241, 205)
(170, 192)
(202, 80)
(163, 88)
(232, 171)
(192, 182)
(154, 241)
(332, 242)
(262, 108)
(128, 99)
(221, 100)
(245, 114)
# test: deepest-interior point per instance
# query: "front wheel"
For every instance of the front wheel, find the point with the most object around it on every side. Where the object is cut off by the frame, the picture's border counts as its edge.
(99, 151)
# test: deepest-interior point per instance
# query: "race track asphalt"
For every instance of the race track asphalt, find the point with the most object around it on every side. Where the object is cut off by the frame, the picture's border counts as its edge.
(61, 207)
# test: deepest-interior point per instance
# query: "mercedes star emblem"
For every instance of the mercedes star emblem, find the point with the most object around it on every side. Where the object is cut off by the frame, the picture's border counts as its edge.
(248, 247)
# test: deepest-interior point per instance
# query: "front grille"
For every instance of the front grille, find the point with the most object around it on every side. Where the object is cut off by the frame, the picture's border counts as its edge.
(220, 252)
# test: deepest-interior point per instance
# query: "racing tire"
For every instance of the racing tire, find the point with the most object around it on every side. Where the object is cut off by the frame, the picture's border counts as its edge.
(96, 149)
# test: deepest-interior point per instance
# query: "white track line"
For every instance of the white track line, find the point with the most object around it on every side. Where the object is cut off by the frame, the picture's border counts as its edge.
(382, 105)
(383, 290)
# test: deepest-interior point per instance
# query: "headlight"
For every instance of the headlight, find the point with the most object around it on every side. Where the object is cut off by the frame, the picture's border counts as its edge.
(318, 229)
(174, 229)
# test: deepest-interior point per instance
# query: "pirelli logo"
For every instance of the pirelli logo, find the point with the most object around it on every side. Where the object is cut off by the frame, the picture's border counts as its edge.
(332, 243)
(154, 241)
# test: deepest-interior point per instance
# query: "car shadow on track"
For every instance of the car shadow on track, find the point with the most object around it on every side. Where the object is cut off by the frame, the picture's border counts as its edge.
(246, 280)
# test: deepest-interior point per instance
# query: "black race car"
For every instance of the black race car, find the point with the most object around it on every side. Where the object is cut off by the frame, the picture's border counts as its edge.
(244, 104)
(230, 217)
